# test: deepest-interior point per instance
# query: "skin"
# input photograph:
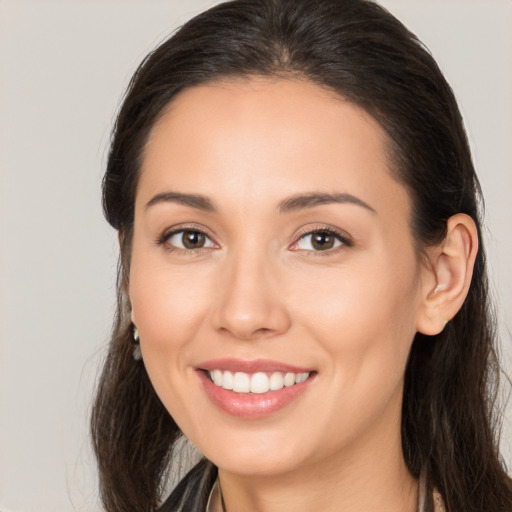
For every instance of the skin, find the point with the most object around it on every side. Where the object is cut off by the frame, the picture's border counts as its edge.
(258, 289)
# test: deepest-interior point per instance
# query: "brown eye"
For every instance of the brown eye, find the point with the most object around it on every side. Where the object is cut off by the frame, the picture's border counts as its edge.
(322, 241)
(193, 239)
(319, 241)
(189, 239)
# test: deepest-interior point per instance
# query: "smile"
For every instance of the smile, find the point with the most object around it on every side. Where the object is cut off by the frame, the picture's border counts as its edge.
(253, 389)
(259, 383)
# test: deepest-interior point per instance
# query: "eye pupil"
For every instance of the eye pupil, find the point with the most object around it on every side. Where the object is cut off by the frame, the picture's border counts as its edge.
(193, 239)
(322, 241)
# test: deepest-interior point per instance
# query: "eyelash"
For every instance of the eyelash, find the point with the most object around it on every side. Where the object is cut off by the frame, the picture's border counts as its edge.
(343, 238)
(167, 235)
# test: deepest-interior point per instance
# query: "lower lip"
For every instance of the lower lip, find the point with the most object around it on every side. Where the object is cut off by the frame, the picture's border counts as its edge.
(251, 405)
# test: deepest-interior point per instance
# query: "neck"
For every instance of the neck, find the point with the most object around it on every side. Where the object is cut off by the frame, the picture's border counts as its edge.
(369, 475)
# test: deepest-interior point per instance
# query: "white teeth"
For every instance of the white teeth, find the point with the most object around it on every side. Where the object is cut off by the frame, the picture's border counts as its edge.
(241, 382)
(217, 377)
(276, 381)
(227, 380)
(259, 382)
(301, 377)
(289, 379)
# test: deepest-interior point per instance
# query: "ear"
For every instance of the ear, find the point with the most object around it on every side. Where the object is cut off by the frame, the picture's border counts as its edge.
(447, 277)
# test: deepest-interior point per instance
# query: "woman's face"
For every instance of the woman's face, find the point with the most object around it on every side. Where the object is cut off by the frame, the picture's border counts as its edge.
(272, 245)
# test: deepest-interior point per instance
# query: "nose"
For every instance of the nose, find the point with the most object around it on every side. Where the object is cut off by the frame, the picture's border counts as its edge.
(250, 303)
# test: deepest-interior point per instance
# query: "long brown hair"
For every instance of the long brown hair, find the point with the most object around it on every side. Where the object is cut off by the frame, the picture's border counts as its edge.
(359, 50)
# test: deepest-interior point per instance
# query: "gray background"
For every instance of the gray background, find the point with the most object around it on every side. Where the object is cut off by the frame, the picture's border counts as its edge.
(63, 67)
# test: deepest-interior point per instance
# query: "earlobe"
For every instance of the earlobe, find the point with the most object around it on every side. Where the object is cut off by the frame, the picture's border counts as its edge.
(449, 275)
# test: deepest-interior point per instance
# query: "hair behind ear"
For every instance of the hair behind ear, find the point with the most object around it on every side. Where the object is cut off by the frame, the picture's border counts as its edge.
(450, 420)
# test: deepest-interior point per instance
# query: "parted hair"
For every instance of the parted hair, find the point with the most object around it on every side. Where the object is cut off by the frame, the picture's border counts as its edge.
(450, 418)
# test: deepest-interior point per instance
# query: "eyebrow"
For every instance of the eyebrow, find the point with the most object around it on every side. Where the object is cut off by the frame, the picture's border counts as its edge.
(302, 201)
(293, 203)
(194, 200)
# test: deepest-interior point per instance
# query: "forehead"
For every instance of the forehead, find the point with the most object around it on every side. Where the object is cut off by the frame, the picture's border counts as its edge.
(257, 140)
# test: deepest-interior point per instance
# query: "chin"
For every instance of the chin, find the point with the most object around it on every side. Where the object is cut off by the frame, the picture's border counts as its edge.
(260, 465)
(259, 454)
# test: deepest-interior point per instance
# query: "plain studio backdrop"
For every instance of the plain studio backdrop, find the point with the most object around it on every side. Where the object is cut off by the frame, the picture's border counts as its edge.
(64, 66)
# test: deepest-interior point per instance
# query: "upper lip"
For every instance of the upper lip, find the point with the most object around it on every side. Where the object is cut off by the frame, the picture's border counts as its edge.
(254, 366)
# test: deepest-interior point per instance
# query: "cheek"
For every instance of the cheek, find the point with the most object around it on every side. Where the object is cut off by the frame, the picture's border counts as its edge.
(169, 307)
(168, 304)
(364, 318)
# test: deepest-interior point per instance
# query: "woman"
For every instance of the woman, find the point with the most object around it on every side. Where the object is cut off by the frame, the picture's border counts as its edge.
(302, 288)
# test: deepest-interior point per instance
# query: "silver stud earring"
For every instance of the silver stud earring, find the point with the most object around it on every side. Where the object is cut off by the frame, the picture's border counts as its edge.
(137, 353)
